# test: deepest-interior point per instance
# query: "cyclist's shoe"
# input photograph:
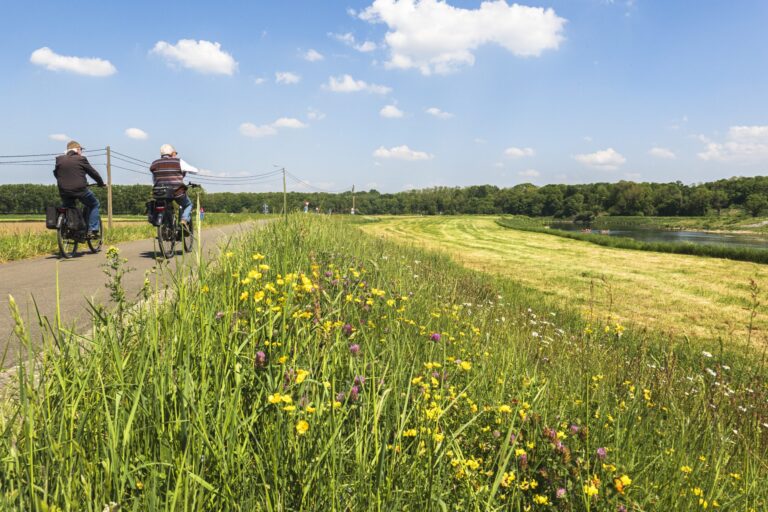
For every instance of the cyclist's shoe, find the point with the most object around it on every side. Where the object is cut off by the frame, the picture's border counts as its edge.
(93, 234)
(185, 224)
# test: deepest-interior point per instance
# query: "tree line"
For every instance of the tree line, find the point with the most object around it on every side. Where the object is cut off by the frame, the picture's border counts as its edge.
(580, 202)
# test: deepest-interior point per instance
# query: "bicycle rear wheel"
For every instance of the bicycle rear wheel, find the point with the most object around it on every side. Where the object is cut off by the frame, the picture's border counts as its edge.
(94, 244)
(67, 246)
(166, 236)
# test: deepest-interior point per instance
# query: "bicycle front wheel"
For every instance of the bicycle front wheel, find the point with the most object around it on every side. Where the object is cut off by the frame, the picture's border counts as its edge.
(94, 244)
(67, 246)
(166, 238)
(188, 236)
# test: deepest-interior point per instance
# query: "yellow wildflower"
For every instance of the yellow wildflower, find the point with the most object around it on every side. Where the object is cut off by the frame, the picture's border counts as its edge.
(301, 375)
(302, 427)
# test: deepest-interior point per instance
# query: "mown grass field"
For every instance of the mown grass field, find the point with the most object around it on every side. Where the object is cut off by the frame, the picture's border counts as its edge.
(314, 367)
(25, 236)
(704, 298)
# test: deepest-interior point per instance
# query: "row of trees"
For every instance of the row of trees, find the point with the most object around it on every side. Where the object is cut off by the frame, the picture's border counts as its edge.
(565, 201)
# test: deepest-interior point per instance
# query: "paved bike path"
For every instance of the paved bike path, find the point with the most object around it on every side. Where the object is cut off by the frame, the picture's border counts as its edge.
(32, 283)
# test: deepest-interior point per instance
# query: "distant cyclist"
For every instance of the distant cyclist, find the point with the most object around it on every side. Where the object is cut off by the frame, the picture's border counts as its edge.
(70, 172)
(169, 170)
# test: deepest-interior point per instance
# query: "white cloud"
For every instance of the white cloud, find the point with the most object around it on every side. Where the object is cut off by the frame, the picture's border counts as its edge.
(743, 144)
(314, 114)
(313, 55)
(434, 111)
(432, 36)
(259, 81)
(367, 46)
(136, 133)
(606, 159)
(60, 137)
(346, 83)
(664, 153)
(266, 130)
(251, 130)
(391, 112)
(402, 153)
(513, 152)
(201, 56)
(529, 173)
(349, 40)
(88, 66)
(286, 77)
(288, 122)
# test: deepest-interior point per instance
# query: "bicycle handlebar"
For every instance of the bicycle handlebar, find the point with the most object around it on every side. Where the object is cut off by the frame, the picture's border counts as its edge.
(193, 185)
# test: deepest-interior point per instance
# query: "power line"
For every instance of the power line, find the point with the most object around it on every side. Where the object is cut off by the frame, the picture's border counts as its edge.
(307, 184)
(130, 157)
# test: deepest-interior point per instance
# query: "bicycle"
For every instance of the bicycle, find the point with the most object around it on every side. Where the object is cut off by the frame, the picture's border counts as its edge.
(72, 229)
(169, 227)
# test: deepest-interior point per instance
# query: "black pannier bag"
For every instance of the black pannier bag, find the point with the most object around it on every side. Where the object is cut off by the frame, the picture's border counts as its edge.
(153, 216)
(75, 220)
(51, 216)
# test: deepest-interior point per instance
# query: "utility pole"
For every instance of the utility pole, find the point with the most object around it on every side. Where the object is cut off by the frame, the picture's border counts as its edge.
(353, 199)
(109, 189)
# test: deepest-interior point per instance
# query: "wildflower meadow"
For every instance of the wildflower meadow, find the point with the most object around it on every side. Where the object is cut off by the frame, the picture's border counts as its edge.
(314, 367)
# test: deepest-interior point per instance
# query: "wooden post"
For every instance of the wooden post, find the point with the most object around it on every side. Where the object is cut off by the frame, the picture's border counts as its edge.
(109, 189)
(353, 200)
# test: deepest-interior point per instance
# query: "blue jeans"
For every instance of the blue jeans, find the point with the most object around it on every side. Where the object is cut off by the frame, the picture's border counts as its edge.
(91, 203)
(186, 205)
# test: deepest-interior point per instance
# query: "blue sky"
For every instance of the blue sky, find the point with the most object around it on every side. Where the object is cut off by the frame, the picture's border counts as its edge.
(393, 94)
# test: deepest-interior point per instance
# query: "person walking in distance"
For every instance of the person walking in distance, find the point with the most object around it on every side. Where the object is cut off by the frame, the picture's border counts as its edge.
(169, 171)
(71, 169)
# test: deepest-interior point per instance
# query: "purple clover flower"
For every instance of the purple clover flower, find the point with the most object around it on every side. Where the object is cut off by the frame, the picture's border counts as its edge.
(347, 329)
(354, 393)
(354, 349)
(435, 336)
(560, 493)
(602, 453)
(261, 359)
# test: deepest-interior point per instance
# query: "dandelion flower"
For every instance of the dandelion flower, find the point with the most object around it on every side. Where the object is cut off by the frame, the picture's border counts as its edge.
(302, 427)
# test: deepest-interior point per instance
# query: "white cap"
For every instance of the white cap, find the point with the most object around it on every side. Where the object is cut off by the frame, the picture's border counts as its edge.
(166, 149)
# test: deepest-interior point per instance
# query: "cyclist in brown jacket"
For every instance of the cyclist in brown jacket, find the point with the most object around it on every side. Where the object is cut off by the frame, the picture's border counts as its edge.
(71, 169)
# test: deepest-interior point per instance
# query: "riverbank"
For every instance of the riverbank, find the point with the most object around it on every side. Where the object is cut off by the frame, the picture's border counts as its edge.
(755, 255)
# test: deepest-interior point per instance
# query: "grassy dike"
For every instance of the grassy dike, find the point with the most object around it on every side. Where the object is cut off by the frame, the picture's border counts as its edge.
(17, 246)
(315, 367)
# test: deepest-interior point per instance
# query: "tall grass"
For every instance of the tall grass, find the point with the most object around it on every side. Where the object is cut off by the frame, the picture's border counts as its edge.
(620, 242)
(316, 368)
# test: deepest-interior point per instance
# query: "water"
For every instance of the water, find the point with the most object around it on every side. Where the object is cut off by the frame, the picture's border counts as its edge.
(658, 235)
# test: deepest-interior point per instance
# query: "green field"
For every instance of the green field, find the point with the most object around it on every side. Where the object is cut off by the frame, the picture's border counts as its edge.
(314, 367)
(25, 236)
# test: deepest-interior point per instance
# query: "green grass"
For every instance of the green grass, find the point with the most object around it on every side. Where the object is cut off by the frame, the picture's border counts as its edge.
(713, 251)
(19, 245)
(731, 220)
(180, 405)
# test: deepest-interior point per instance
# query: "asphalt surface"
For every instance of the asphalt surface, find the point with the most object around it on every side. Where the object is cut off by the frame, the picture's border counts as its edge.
(32, 283)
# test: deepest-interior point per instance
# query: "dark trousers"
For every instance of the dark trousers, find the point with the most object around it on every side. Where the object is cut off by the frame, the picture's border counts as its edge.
(90, 201)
